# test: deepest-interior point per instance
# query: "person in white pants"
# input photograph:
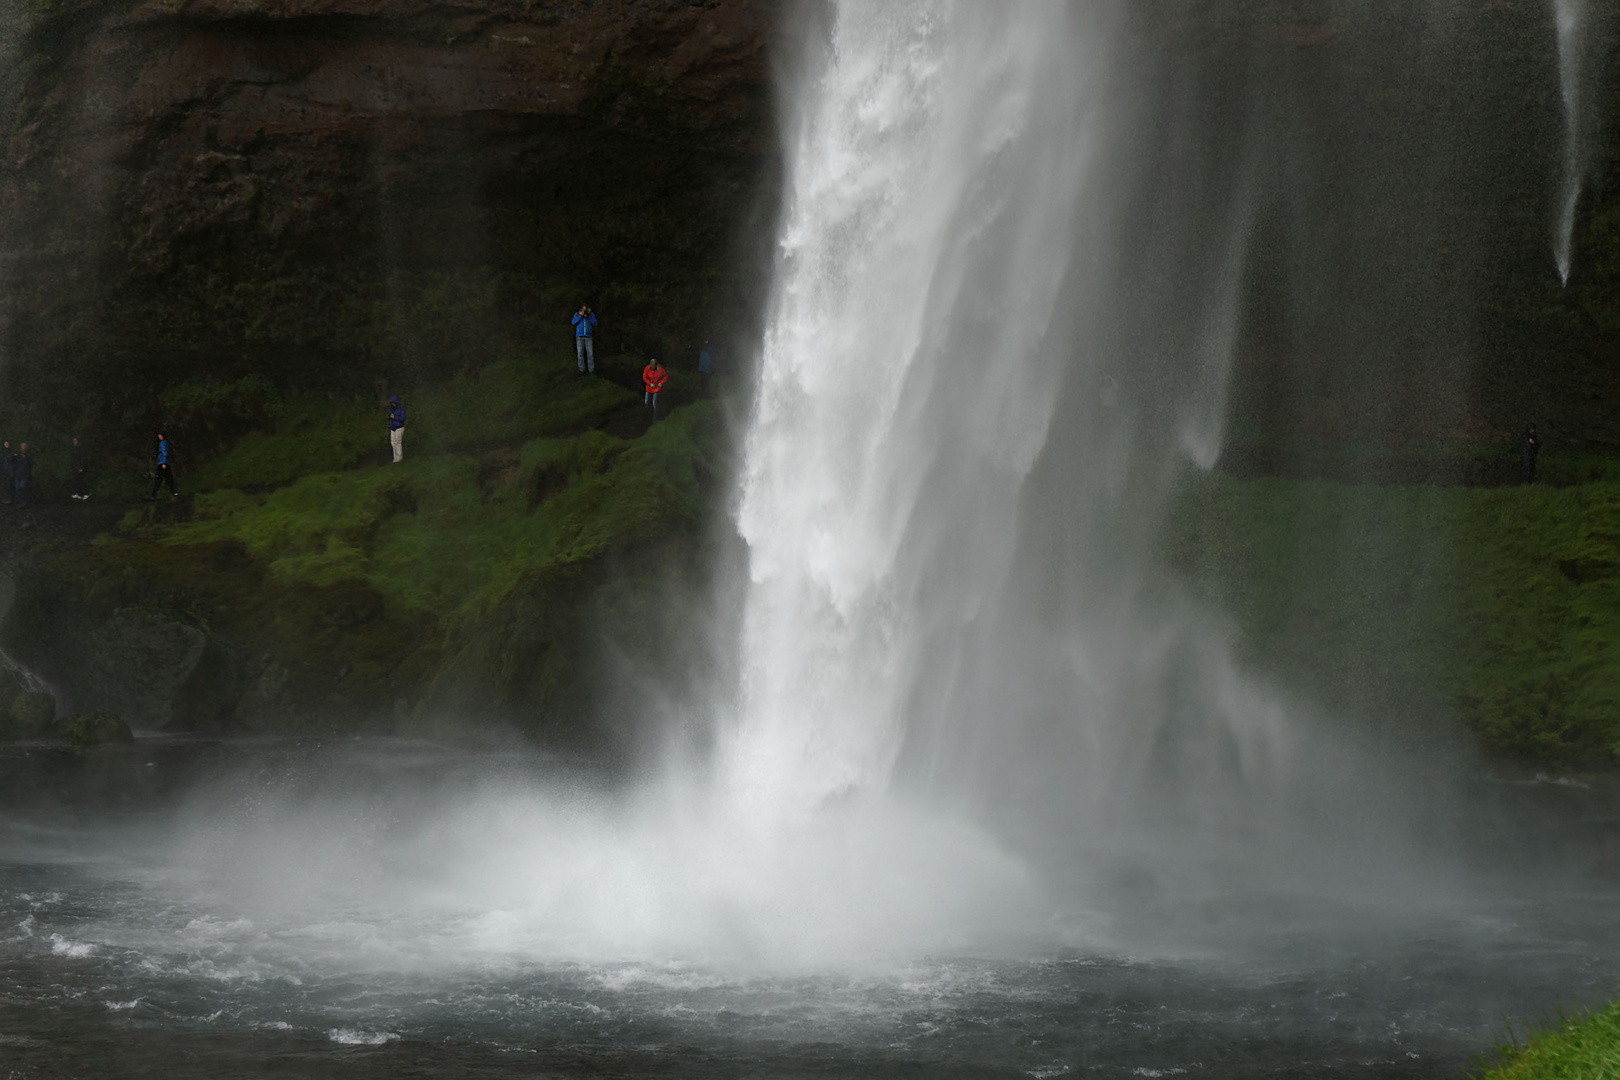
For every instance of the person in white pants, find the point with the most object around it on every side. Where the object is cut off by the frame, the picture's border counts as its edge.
(396, 427)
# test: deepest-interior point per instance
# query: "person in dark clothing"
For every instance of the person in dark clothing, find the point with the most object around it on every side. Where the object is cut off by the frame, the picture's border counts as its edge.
(396, 428)
(653, 376)
(22, 472)
(1529, 447)
(584, 338)
(705, 364)
(6, 454)
(80, 469)
(163, 467)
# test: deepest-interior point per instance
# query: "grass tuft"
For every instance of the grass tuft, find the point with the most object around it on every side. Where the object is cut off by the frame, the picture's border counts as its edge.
(1582, 1047)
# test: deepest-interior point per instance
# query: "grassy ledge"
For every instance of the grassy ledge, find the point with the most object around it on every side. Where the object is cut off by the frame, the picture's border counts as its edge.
(538, 523)
(1501, 605)
(1585, 1047)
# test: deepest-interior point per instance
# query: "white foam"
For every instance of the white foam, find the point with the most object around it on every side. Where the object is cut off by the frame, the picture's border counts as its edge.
(356, 1037)
(77, 950)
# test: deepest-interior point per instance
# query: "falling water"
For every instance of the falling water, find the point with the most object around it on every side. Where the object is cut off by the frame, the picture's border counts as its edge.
(1570, 19)
(1000, 335)
(937, 180)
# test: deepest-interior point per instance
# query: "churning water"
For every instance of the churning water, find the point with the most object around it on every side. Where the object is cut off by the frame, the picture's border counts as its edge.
(991, 798)
(393, 909)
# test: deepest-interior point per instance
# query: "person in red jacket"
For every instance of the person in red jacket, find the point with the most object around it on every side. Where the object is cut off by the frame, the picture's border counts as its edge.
(654, 376)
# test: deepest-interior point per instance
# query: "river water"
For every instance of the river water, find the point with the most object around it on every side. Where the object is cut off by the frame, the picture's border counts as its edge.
(194, 909)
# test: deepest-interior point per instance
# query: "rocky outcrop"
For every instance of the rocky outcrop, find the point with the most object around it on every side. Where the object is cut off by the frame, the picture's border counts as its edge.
(274, 187)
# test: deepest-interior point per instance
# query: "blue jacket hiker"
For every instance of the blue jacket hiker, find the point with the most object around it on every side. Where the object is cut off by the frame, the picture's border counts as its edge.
(162, 471)
(584, 348)
(396, 427)
(706, 363)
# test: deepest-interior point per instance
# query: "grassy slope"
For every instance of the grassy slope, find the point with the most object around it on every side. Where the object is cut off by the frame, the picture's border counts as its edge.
(502, 404)
(503, 534)
(1582, 1048)
(1500, 603)
(429, 537)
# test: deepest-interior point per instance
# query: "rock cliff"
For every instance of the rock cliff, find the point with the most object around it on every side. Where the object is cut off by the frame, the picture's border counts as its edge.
(283, 187)
(252, 219)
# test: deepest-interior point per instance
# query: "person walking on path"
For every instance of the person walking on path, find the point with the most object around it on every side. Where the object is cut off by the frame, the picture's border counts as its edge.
(584, 337)
(654, 376)
(81, 479)
(1529, 447)
(396, 427)
(705, 364)
(22, 471)
(162, 468)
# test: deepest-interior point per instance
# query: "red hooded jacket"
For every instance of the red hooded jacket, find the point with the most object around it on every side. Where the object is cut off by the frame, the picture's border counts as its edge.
(654, 378)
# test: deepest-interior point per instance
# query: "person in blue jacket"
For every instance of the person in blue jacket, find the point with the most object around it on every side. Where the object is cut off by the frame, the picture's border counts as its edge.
(705, 364)
(22, 472)
(162, 472)
(396, 427)
(584, 327)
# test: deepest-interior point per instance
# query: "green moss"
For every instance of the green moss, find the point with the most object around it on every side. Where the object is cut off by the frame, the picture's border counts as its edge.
(1502, 604)
(1582, 1047)
(311, 436)
(478, 577)
(502, 404)
(441, 535)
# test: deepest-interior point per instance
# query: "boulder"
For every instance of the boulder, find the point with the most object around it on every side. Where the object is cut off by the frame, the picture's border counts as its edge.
(98, 728)
(32, 713)
(138, 663)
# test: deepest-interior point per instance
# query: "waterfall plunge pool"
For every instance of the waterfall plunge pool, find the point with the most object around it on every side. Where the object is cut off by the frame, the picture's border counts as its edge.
(234, 909)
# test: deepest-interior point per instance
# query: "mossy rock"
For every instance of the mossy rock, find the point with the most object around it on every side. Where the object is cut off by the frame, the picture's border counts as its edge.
(11, 684)
(32, 713)
(98, 728)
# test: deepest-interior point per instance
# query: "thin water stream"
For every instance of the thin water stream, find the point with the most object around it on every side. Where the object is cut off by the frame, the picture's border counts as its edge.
(1570, 17)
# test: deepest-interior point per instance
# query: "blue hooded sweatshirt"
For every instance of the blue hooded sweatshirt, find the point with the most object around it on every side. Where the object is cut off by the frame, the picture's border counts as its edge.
(584, 324)
(396, 414)
(163, 451)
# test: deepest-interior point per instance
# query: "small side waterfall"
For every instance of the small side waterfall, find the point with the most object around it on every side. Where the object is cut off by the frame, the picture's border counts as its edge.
(1570, 17)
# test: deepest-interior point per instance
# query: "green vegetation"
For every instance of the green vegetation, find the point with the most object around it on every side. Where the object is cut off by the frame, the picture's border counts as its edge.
(449, 534)
(503, 404)
(1501, 604)
(536, 514)
(1585, 1047)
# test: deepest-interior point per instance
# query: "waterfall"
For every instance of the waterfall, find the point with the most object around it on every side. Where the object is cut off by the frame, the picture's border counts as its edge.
(936, 180)
(974, 709)
(1570, 21)
(998, 339)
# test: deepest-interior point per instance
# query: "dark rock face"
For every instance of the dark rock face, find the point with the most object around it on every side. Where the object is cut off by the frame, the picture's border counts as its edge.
(137, 662)
(269, 187)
